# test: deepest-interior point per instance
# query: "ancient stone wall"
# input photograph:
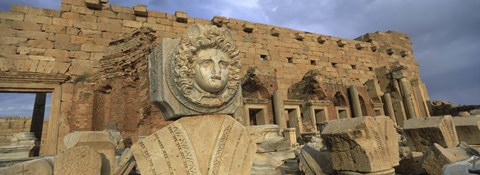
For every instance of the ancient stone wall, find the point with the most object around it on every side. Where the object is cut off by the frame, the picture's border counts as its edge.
(12, 125)
(65, 50)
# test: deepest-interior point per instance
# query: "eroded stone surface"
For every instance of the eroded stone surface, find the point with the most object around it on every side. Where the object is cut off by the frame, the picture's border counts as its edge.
(363, 144)
(42, 166)
(210, 144)
(422, 133)
(468, 129)
(78, 160)
(201, 71)
(438, 157)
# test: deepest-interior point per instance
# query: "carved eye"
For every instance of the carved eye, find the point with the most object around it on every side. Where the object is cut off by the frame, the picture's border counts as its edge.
(207, 64)
(223, 64)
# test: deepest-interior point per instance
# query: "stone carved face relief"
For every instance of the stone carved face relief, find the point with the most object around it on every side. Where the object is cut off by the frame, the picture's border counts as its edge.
(206, 67)
(211, 70)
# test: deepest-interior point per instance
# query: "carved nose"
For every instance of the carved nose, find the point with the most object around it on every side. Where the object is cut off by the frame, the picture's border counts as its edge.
(216, 69)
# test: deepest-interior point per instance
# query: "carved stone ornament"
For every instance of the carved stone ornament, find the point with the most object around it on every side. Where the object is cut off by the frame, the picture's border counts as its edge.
(207, 144)
(198, 74)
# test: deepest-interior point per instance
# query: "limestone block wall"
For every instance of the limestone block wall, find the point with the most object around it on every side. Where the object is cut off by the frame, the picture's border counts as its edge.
(71, 42)
(9, 126)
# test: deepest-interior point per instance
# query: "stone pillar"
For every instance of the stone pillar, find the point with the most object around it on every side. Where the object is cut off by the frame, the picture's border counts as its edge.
(420, 98)
(406, 98)
(387, 101)
(279, 109)
(354, 102)
(37, 118)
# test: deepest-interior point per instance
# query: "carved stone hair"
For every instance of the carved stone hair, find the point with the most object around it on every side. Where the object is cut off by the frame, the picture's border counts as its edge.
(201, 37)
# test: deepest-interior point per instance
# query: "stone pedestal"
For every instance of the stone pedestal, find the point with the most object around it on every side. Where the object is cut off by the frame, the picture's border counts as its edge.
(209, 144)
(422, 133)
(363, 144)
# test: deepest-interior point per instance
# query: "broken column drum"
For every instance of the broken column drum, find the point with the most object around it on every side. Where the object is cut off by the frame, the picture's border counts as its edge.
(196, 76)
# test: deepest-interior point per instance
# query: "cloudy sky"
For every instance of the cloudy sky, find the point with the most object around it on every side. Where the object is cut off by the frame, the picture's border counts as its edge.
(445, 33)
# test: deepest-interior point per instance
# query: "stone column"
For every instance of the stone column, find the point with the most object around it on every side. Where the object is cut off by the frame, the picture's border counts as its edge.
(37, 117)
(354, 102)
(406, 98)
(279, 109)
(387, 101)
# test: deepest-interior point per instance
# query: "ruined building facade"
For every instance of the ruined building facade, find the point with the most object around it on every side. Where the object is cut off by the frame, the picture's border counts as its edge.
(92, 57)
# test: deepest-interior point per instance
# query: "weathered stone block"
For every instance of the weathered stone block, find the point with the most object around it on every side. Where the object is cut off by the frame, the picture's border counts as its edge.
(7, 40)
(219, 21)
(210, 144)
(181, 16)
(363, 144)
(435, 159)
(77, 161)
(140, 10)
(422, 133)
(299, 36)
(16, 16)
(248, 27)
(341, 43)
(468, 129)
(93, 4)
(38, 19)
(275, 32)
(22, 25)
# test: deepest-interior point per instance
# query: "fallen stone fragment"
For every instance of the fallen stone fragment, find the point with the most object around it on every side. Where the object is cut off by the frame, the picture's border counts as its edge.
(78, 160)
(468, 129)
(363, 144)
(438, 157)
(422, 133)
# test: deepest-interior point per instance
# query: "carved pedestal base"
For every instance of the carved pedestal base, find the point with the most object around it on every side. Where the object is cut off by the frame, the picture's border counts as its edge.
(209, 144)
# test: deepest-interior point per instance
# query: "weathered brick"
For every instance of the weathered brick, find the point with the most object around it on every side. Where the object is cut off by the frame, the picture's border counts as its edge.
(93, 4)
(62, 38)
(126, 16)
(74, 2)
(5, 23)
(70, 15)
(88, 18)
(157, 14)
(79, 55)
(109, 20)
(134, 24)
(121, 9)
(67, 46)
(73, 31)
(82, 10)
(96, 56)
(140, 10)
(30, 51)
(90, 33)
(53, 28)
(62, 22)
(31, 34)
(156, 27)
(85, 25)
(165, 21)
(11, 40)
(35, 10)
(106, 14)
(12, 16)
(8, 49)
(38, 19)
(26, 25)
(92, 48)
(40, 44)
(65, 7)
(110, 27)
(7, 32)
(57, 53)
